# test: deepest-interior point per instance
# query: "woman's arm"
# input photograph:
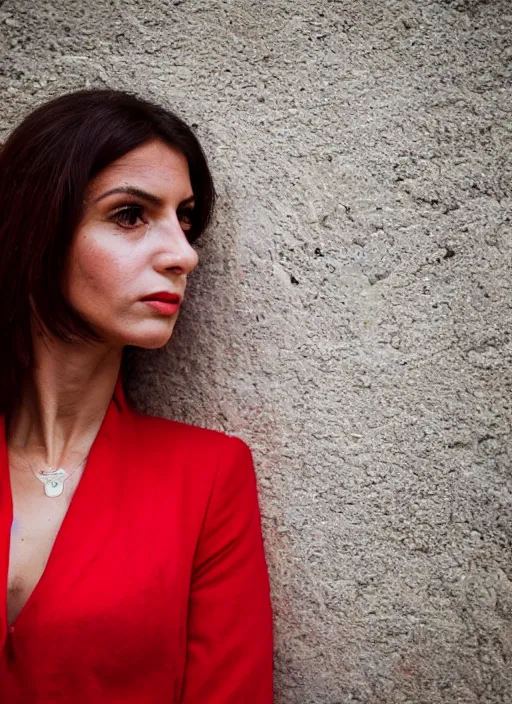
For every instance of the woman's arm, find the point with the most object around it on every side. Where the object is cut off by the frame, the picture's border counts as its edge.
(229, 640)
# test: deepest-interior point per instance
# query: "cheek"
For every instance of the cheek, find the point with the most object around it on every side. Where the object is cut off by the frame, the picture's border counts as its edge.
(98, 268)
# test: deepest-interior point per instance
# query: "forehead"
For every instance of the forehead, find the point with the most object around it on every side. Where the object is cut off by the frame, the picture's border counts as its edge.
(155, 166)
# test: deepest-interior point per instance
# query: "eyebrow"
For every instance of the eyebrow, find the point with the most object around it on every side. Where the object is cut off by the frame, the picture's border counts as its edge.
(130, 190)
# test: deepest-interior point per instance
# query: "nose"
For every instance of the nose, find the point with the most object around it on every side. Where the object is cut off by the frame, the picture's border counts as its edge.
(175, 253)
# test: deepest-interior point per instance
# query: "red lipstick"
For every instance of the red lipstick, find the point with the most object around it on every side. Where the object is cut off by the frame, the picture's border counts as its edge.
(163, 301)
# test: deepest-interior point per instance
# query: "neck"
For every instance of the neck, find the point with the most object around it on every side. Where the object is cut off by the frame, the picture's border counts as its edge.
(63, 401)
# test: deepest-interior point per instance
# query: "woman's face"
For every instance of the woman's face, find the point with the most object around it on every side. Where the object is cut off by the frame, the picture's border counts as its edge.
(131, 245)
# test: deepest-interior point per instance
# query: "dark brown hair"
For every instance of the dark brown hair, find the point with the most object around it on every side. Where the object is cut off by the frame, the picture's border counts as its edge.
(45, 167)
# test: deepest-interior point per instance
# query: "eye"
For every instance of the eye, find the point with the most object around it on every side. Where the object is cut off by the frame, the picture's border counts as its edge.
(127, 217)
(185, 216)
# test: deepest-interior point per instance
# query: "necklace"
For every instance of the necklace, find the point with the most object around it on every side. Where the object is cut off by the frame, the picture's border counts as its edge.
(54, 479)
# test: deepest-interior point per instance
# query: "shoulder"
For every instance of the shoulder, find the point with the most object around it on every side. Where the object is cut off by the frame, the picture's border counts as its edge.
(206, 476)
(202, 459)
(167, 435)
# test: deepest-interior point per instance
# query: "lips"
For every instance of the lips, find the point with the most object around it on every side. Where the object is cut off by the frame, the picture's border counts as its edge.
(163, 296)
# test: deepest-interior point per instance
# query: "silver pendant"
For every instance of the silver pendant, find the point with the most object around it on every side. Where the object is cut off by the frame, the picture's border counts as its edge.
(53, 482)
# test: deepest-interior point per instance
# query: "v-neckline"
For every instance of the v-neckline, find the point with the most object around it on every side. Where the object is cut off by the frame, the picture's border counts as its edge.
(101, 455)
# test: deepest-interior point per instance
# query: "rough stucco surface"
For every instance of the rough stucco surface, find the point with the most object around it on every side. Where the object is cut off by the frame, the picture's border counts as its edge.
(351, 315)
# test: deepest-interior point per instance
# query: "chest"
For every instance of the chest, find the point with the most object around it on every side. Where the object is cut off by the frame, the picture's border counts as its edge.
(37, 520)
(113, 551)
(98, 582)
(99, 578)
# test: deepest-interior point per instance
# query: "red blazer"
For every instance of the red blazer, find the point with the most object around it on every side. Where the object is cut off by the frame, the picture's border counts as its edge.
(157, 588)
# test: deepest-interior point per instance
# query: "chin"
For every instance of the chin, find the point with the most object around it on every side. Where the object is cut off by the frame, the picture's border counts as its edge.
(152, 344)
(150, 336)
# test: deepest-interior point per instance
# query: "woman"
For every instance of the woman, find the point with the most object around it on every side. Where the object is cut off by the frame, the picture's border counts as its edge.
(132, 565)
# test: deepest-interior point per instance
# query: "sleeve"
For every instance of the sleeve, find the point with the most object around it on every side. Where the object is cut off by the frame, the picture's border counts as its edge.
(229, 631)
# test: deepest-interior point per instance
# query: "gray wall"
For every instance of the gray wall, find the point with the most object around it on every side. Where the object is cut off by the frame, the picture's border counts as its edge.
(351, 315)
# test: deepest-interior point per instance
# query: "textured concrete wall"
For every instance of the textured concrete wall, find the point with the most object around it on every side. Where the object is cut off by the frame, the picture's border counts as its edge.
(351, 315)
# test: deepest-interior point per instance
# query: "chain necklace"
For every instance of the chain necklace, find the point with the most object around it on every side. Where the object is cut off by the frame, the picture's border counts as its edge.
(54, 479)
